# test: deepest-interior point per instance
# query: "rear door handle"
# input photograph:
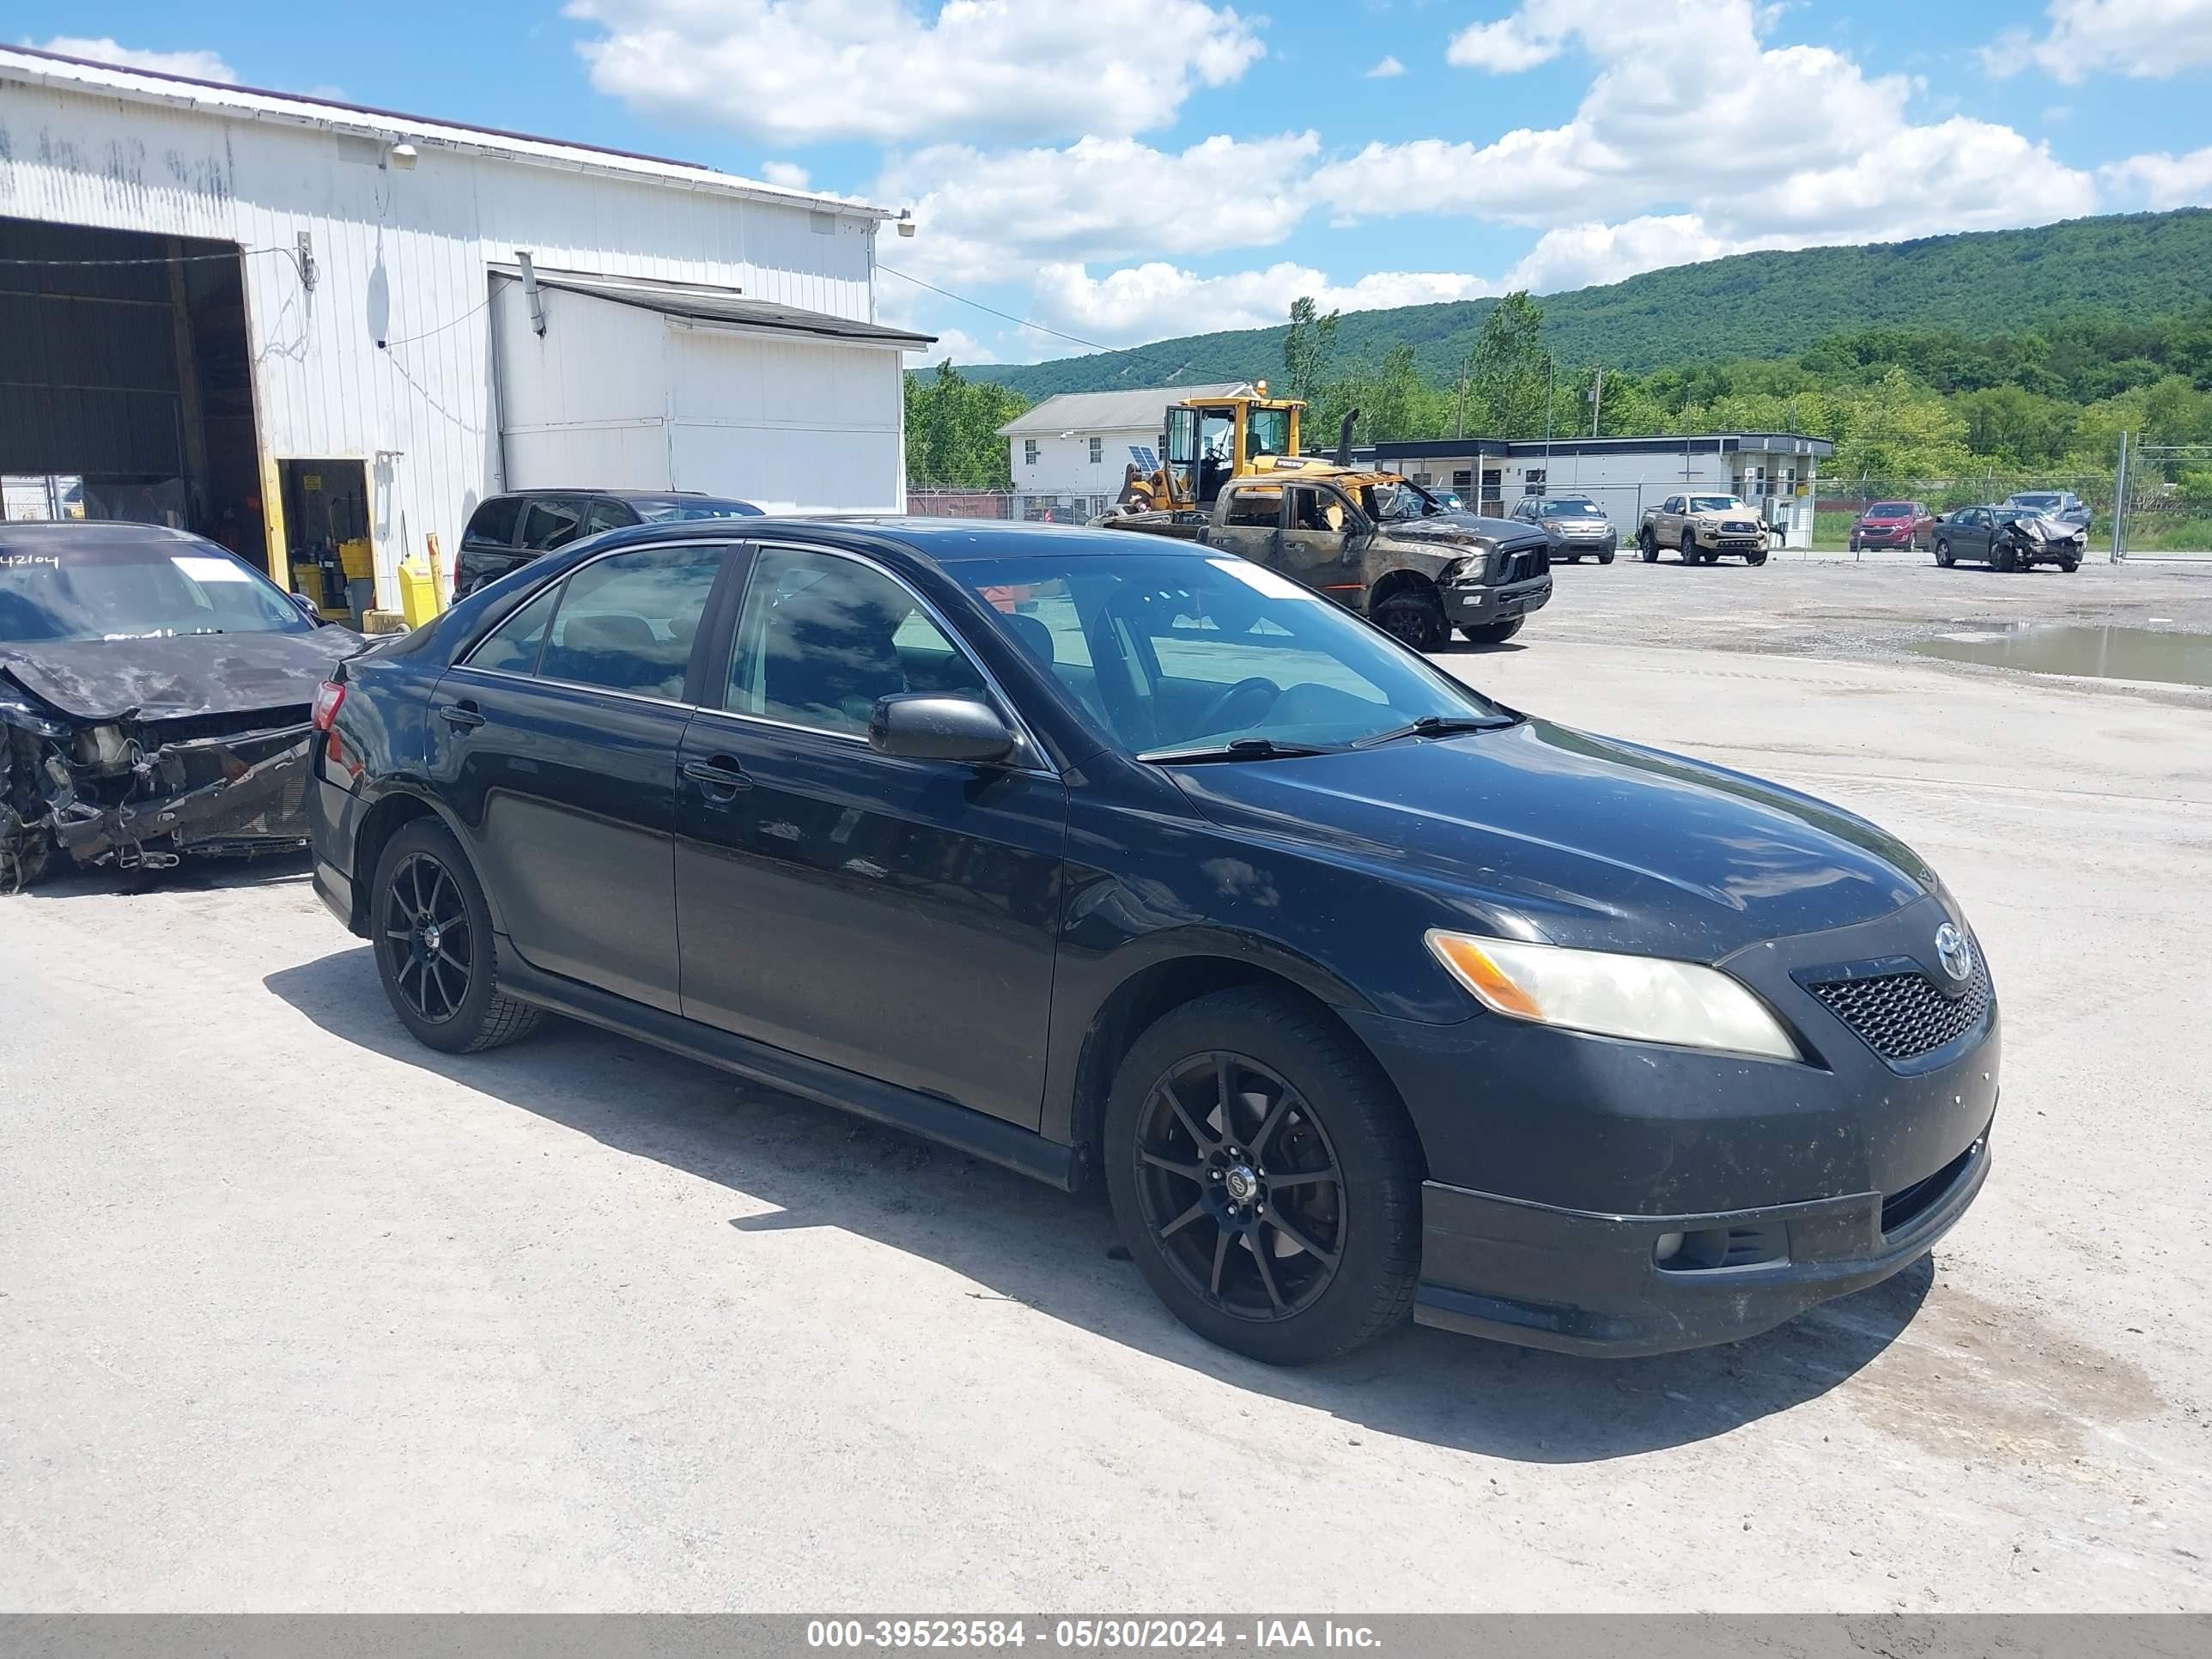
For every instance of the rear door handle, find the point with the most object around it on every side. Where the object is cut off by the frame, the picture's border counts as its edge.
(721, 777)
(462, 714)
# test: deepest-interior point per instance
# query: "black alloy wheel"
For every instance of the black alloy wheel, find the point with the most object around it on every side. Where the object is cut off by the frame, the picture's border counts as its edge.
(1414, 620)
(426, 937)
(1240, 1188)
(431, 928)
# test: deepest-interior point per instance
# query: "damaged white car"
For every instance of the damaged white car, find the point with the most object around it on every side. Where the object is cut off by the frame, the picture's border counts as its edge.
(155, 696)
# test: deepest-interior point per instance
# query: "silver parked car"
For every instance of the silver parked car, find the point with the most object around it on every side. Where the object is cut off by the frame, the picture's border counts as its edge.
(1572, 525)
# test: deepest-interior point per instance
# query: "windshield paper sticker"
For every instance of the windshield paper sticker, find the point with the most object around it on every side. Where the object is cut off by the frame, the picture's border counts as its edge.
(1264, 580)
(211, 570)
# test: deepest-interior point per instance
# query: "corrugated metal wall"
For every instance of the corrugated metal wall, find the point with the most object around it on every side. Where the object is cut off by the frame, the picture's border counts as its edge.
(401, 259)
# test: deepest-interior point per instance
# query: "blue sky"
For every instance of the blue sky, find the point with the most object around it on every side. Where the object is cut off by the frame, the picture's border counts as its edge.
(1126, 169)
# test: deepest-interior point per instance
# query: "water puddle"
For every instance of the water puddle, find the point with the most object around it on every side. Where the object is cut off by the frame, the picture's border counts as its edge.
(2103, 654)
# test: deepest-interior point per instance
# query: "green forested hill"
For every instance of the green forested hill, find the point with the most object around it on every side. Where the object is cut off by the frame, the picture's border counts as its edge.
(1751, 306)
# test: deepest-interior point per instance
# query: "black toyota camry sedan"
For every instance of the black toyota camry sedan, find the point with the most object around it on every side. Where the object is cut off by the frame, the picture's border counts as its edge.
(1102, 856)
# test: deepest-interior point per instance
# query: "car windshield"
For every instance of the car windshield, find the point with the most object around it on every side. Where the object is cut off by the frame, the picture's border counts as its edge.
(134, 591)
(1570, 506)
(1890, 510)
(1715, 504)
(1179, 655)
(2038, 501)
(684, 512)
(1403, 500)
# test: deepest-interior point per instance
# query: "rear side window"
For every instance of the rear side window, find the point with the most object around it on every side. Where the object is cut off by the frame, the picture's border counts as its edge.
(495, 521)
(549, 524)
(627, 623)
(513, 647)
(1253, 509)
(608, 515)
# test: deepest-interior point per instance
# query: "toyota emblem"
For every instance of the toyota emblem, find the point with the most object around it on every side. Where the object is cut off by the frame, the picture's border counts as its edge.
(1955, 952)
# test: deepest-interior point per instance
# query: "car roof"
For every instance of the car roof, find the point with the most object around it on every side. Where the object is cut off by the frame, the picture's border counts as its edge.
(52, 535)
(657, 497)
(938, 541)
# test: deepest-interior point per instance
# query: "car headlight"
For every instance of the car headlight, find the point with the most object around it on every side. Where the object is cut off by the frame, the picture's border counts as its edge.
(1645, 998)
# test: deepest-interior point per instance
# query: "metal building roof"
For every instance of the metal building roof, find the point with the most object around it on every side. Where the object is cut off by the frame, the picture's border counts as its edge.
(1110, 411)
(46, 69)
(700, 303)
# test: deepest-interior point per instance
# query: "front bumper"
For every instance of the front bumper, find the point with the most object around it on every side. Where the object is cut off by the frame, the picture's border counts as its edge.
(256, 804)
(1588, 1283)
(1472, 606)
(1884, 535)
(1558, 1161)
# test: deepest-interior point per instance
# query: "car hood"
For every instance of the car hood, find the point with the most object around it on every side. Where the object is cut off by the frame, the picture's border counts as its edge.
(1589, 841)
(172, 678)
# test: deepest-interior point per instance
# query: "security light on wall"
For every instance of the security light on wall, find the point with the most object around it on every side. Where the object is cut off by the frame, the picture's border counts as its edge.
(906, 221)
(403, 156)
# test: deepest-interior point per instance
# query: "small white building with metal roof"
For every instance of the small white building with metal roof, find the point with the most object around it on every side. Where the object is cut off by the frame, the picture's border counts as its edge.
(288, 323)
(1071, 452)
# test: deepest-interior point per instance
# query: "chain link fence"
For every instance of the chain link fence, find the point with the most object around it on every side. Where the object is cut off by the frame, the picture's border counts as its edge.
(2165, 492)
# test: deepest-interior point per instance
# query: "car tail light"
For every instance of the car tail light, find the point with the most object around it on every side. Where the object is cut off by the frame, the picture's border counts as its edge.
(330, 697)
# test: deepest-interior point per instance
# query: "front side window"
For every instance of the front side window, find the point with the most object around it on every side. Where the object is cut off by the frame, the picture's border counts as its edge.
(1320, 511)
(626, 623)
(1271, 431)
(820, 638)
(1175, 652)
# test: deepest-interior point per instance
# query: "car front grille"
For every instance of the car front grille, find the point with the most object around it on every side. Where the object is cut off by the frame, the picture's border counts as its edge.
(1737, 527)
(1902, 1017)
(1523, 564)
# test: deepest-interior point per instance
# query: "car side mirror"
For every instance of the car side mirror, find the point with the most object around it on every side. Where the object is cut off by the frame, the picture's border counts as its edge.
(926, 725)
(308, 607)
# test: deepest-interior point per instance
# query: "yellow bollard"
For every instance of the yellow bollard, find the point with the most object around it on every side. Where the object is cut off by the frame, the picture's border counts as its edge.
(418, 590)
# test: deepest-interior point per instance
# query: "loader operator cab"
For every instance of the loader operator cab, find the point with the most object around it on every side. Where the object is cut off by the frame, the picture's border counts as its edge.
(1208, 444)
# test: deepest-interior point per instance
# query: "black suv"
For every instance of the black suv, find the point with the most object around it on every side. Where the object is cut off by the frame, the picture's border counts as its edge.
(508, 530)
(1098, 855)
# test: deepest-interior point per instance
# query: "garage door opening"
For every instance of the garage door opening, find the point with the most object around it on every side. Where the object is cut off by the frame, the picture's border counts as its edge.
(126, 388)
(327, 526)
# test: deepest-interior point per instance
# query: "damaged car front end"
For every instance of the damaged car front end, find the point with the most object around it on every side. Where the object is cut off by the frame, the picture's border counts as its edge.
(173, 733)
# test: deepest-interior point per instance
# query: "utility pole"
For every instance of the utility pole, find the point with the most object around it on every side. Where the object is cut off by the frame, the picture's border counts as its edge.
(1459, 424)
(1597, 400)
(1551, 387)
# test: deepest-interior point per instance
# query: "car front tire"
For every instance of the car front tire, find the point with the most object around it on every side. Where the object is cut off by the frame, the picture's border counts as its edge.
(1413, 619)
(1648, 545)
(1265, 1178)
(1605, 557)
(431, 930)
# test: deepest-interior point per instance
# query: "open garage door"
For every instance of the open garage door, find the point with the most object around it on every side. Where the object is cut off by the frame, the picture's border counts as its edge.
(126, 384)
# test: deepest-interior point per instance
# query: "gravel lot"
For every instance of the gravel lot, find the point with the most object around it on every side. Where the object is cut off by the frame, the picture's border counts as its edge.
(296, 1314)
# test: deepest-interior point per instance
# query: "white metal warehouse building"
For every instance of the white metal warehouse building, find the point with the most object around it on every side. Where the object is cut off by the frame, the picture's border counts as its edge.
(279, 321)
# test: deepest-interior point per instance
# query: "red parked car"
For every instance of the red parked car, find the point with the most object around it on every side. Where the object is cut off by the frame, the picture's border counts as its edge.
(1893, 523)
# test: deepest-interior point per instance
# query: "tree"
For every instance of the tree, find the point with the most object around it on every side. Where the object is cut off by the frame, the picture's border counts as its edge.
(952, 430)
(1508, 373)
(1309, 348)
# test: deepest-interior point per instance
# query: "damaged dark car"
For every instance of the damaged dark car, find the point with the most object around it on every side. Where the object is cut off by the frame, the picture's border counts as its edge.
(156, 698)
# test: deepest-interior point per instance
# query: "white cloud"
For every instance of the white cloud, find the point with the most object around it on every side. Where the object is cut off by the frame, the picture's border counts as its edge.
(789, 174)
(1691, 112)
(1530, 36)
(1579, 255)
(200, 65)
(798, 71)
(1158, 299)
(2153, 40)
(1387, 69)
(2163, 180)
(982, 215)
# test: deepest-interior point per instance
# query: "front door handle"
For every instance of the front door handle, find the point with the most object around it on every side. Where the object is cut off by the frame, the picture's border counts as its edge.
(462, 715)
(721, 777)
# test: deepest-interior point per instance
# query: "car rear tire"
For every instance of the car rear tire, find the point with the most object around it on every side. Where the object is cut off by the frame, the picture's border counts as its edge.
(431, 929)
(1492, 633)
(1264, 1177)
(1414, 619)
(1943, 553)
